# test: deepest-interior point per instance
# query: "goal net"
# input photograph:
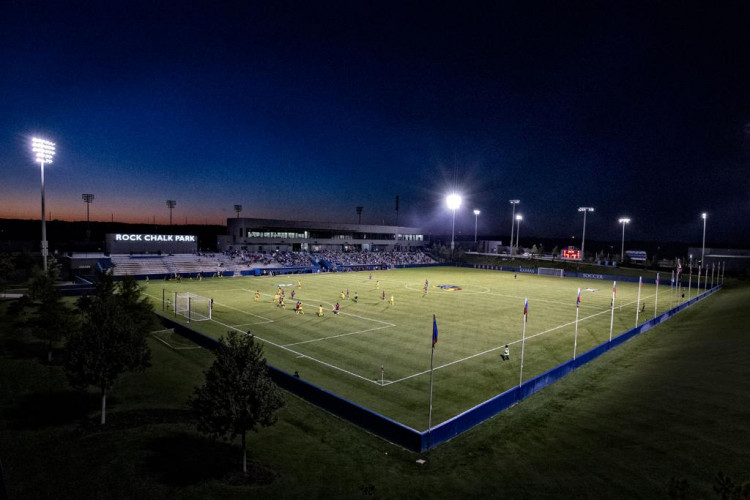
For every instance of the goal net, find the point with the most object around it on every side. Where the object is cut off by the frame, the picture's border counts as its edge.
(193, 306)
(550, 271)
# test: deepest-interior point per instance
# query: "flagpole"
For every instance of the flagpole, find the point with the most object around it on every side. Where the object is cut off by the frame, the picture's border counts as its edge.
(638, 302)
(575, 339)
(429, 418)
(671, 290)
(432, 357)
(656, 298)
(612, 316)
(523, 340)
(699, 280)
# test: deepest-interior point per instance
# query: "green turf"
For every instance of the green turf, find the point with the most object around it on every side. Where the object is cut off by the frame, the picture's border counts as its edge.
(671, 404)
(343, 353)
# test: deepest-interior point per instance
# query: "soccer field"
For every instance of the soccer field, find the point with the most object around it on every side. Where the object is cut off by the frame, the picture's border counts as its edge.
(478, 312)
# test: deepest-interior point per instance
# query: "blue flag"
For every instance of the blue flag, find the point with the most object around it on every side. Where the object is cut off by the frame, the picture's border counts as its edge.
(434, 331)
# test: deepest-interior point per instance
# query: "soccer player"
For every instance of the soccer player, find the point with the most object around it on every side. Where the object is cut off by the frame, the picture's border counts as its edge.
(299, 283)
(320, 311)
(377, 285)
(356, 297)
(506, 353)
(276, 298)
(281, 303)
(292, 294)
(336, 308)
(257, 295)
(342, 295)
(392, 301)
(426, 286)
(347, 293)
(383, 297)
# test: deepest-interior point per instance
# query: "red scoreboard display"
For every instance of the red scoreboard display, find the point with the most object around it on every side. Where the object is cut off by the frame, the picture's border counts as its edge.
(571, 253)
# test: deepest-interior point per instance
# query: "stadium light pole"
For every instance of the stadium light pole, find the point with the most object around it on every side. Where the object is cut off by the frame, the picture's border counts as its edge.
(87, 199)
(583, 238)
(44, 151)
(704, 216)
(171, 204)
(238, 209)
(623, 221)
(519, 218)
(454, 202)
(512, 222)
(476, 222)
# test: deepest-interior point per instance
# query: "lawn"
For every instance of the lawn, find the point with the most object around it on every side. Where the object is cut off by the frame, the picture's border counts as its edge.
(478, 312)
(670, 407)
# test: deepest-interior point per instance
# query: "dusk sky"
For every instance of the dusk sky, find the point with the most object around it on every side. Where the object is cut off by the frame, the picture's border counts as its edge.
(305, 110)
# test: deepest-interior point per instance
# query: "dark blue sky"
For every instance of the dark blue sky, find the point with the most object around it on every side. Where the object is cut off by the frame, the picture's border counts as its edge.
(307, 110)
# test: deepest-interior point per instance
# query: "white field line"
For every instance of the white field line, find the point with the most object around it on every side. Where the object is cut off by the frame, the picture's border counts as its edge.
(343, 334)
(265, 320)
(501, 346)
(301, 355)
(170, 345)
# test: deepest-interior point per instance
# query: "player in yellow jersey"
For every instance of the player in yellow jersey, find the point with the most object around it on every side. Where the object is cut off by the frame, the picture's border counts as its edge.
(392, 302)
(257, 295)
(320, 311)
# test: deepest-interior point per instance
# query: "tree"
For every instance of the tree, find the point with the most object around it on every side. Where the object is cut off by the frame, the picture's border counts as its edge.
(6, 271)
(112, 338)
(238, 395)
(51, 319)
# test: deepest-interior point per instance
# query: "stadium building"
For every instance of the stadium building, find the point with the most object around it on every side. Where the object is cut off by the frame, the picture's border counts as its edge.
(268, 235)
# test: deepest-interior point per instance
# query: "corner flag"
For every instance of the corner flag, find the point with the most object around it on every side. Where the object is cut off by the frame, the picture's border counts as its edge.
(526, 309)
(434, 331)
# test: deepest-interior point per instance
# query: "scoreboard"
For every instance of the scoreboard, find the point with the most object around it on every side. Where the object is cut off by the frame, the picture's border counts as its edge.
(571, 253)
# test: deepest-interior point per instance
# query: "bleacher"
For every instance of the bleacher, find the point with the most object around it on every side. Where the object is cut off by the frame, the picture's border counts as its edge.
(208, 264)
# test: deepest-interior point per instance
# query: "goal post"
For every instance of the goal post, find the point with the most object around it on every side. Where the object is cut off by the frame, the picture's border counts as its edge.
(192, 306)
(551, 271)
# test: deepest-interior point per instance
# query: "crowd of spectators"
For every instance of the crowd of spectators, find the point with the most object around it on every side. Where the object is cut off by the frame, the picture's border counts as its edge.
(337, 260)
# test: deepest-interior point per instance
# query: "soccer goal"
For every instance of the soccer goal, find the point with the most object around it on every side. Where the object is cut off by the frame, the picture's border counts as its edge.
(551, 271)
(193, 306)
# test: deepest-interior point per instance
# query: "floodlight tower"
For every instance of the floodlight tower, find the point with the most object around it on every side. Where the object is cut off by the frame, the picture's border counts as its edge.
(704, 216)
(512, 222)
(238, 209)
(87, 199)
(623, 221)
(171, 204)
(454, 202)
(519, 218)
(583, 238)
(476, 222)
(44, 151)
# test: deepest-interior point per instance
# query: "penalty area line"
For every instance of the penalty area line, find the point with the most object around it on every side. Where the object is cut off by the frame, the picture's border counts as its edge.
(302, 355)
